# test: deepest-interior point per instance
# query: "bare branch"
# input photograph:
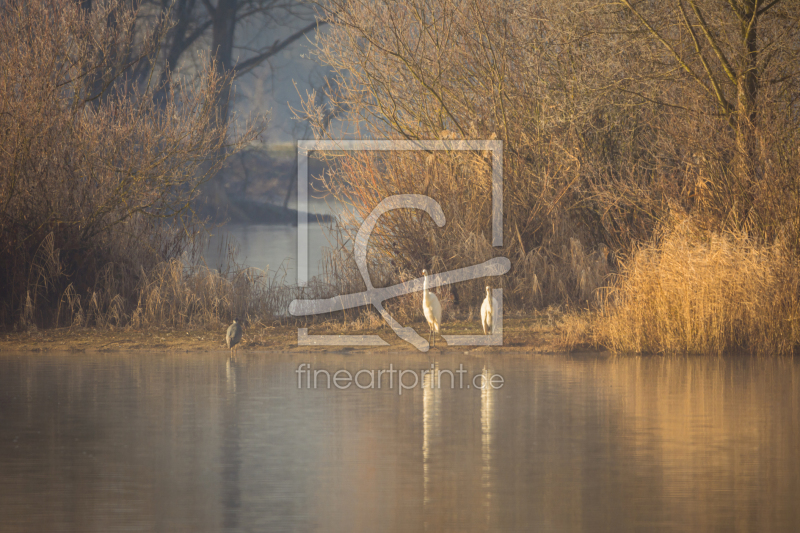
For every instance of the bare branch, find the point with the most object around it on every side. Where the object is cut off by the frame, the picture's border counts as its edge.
(714, 45)
(668, 46)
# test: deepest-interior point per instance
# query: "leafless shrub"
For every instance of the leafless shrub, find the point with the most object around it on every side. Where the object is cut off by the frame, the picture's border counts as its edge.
(95, 175)
(469, 69)
(612, 115)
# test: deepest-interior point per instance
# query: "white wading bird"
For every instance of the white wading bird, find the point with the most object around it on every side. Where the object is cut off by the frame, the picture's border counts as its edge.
(431, 308)
(487, 312)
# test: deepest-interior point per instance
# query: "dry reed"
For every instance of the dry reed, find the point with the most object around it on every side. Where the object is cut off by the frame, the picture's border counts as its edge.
(172, 293)
(707, 294)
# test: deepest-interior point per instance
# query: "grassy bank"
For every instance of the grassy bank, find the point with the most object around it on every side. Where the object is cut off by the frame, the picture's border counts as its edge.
(539, 334)
(684, 293)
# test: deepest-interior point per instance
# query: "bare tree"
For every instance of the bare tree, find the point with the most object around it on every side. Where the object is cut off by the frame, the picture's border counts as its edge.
(241, 36)
(736, 61)
(468, 69)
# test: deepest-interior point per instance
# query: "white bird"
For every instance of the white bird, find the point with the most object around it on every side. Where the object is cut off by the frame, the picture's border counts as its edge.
(487, 312)
(431, 308)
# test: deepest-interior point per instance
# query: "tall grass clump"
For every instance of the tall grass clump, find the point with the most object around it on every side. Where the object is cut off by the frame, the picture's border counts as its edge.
(176, 295)
(694, 292)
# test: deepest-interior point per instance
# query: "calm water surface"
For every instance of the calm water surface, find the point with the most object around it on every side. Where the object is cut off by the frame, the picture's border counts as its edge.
(268, 247)
(274, 247)
(191, 442)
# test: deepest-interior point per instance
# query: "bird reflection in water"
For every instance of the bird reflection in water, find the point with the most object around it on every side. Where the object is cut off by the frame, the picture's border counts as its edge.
(231, 454)
(487, 415)
(430, 421)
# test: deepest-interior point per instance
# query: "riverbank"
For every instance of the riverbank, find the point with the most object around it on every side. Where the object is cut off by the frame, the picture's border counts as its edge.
(539, 334)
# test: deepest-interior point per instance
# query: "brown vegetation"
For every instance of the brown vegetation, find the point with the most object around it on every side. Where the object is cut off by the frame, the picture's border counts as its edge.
(690, 292)
(96, 175)
(650, 148)
(612, 116)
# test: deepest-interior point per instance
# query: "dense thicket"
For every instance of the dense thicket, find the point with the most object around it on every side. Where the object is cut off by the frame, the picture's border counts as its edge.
(612, 114)
(92, 169)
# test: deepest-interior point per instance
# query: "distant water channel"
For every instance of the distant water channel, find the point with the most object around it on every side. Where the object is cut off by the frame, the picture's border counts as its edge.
(272, 247)
(193, 442)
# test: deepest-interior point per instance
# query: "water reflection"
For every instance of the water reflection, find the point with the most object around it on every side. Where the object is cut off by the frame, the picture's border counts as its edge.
(487, 414)
(430, 422)
(198, 443)
(230, 453)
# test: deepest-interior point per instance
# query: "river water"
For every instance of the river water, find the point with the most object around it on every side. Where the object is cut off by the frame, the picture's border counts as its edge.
(273, 247)
(193, 442)
(270, 248)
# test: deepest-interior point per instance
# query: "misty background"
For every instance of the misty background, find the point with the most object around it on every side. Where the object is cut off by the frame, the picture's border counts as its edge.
(265, 45)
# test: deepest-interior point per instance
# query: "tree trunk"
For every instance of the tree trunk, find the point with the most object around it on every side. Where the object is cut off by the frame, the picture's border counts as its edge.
(224, 22)
(178, 44)
(747, 91)
(222, 48)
